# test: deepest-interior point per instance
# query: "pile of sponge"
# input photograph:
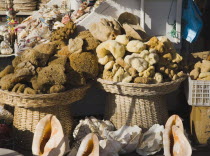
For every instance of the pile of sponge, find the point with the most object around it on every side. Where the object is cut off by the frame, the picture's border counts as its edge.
(46, 69)
(129, 55)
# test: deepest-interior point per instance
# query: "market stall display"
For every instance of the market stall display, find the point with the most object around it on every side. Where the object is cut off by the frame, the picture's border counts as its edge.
(99, 139)
(197, 89)
(201, 71)
(42, 2)
(5, 45)
(29, 109)
(41, 82)
(121, 141)
(3, 5)
(128, 59)
(56, 65)
(197, 93)
(82, 8)
(25, 5)
(137, 73)
(7, 32)
(36, 29)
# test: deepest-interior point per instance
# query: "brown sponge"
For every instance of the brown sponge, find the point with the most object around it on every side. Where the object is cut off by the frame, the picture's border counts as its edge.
(86, 63)
(90, 43)
(9, 69)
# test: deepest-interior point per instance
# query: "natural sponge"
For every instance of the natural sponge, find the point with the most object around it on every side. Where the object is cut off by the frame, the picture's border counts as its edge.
(63, 33)
(57, 89)
(49, 76)
(90, 43)
(29, 90)
(75, 78)
(85, 63)
(205, 67)
(105, 29)
(7, 82)
(110, 46)
(9, 69)
(136, 62)
(122, 39)
(154, 43)
(16, 61)
(47, 48)
(195, 73)
(64, 51)
(75, 45)
(24, 70)
(144, 80)
(135, 46)
(35, 57)
(58, 59)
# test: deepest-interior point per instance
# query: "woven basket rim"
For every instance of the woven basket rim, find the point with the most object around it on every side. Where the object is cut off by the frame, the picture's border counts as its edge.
(32, 96)
(137, 85)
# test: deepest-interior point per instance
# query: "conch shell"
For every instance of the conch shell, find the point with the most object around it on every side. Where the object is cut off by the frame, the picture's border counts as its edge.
(152, 141)
(89, 146)
(181, 144)
(174, 141)
(49, 137)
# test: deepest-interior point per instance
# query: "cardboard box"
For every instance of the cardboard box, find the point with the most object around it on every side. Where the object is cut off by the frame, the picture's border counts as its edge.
(200, 124)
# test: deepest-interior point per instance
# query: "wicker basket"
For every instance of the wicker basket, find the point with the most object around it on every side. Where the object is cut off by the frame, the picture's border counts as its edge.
(134, 89)
(26, 119)
(42, 100)
(29, 109)
(137, 104)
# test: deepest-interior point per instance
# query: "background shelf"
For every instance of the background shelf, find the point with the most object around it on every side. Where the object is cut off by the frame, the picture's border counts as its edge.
(3, 13)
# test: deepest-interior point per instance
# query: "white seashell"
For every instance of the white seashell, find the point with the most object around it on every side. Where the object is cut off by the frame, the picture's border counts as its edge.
(6, 51)
(127, 136)
(4, 45)
(91, 125)
(152, 141)
(3, 28)
(75, 4)
(58, 24)
(22, 35)
(109, 147)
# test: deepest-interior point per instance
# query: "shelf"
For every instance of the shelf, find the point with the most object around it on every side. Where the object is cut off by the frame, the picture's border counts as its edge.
(19, 13)
(2, 56)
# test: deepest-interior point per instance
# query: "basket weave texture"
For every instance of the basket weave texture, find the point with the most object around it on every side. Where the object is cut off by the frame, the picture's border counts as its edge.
(42, 100)
(132, 110)
(137, 104)
(25, 121)
(134, 89)
(29, 109)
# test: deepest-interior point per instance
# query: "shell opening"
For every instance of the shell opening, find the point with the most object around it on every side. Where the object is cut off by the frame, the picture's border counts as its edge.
(89, 148)
(45, 138)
